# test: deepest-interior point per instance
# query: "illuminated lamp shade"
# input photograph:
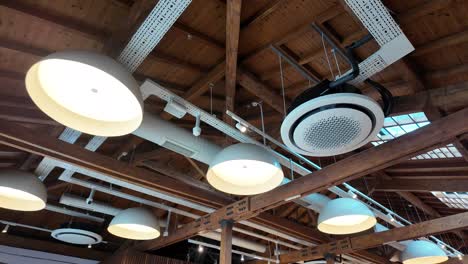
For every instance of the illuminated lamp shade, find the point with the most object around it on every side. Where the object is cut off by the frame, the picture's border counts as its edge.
(423, 252)
(345, 216)
(86, 91)
(22, 191)
(135, 223)
(244, 169)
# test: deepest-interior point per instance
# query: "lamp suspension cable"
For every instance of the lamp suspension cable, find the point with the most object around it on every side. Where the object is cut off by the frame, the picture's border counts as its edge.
(262, 120)
(211, 98)
(326, 56)
(337, 64)
(282, 85)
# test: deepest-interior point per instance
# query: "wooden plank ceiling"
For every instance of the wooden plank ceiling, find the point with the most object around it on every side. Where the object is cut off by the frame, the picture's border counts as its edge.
(202, 55)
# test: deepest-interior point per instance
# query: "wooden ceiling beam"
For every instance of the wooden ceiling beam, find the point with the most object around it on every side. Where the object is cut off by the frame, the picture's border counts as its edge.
(358, 165)
(349, 245)
(450, 40)
(233, 12)
(52, 247)
(269, 8)
(75, 25)
(200, 36)
(262, 91)
(423, 185)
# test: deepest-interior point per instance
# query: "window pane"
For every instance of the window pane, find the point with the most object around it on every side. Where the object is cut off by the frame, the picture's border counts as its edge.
(403, 119)
(419, 117)
(396, 131)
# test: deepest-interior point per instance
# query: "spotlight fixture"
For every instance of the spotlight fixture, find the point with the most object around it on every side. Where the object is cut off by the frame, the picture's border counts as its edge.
(5, 229)
(241, 127)
(22, 191)
(423, 252)
(90, 246)
(242, 258)
(135, 223)
(460, 257)
(345, 216)
(244, 169)
(200, 249)
(86, 91)
(352, 194)
(390, 217)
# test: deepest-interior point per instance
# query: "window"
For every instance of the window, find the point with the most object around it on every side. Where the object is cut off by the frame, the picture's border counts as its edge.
(397, 126)
(457, 200)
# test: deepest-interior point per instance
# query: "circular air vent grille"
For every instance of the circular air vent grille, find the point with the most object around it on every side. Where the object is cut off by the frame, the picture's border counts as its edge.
(76, 236)
(332, 124)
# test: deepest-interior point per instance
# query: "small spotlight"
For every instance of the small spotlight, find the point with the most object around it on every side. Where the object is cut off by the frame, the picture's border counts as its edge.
(5, 229)
(352, 194)
(241, 127)
(390, 216)
(200, 249)
(460, 257)
(242, 258)
(90, 246)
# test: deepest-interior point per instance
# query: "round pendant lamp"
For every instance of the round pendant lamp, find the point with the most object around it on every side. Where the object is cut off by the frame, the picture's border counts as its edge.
(244, 169)
(86, 91)
(423, 252)
(345, 216)
(22, 191)
(135, 223)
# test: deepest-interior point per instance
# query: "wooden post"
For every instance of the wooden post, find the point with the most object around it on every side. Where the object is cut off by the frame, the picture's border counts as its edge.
(330, 258)
(225, 256)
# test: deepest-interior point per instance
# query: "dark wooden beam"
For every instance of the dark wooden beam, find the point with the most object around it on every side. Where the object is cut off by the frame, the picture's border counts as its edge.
(450, 40)
(199, 36)
(262, 91)
(51, 247)
(423, 185)
(77, 26)
(348, 245)
(225, 254)
(358, 165)
(233, 10)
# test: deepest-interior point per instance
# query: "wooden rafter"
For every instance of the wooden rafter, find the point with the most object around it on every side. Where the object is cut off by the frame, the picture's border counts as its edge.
(233, 10)
(344, 246)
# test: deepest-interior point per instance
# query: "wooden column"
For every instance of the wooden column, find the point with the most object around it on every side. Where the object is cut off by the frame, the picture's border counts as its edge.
(225, 256)
(330, 258)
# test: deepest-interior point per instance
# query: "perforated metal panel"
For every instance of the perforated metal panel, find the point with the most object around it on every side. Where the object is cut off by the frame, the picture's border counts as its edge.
(45, 166)
(155, 26)
(369, 67)
(376, 19)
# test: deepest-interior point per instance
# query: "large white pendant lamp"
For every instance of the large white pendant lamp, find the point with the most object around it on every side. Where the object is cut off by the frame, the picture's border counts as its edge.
(135, 223)
(86, 91)
(22, 191)
(345, 216)
(244, 169)
(423, 252)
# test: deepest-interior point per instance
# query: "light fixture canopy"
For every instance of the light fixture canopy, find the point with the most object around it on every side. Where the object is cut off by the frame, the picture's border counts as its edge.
(135, 223)
(345, 216)
(423, 252)
(244, 169)
(22, 191)
(86, 91)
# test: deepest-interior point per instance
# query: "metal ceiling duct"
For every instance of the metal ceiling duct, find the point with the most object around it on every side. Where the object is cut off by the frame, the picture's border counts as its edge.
(170, 136)
(95, 206)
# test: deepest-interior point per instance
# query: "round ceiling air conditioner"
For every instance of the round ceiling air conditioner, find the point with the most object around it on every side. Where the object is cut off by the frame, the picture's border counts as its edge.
(327, 121)
(77, 233)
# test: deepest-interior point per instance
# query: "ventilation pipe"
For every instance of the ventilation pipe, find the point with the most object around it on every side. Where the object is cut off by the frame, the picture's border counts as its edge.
(100, 207)
(174, 138)
(95, 206)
